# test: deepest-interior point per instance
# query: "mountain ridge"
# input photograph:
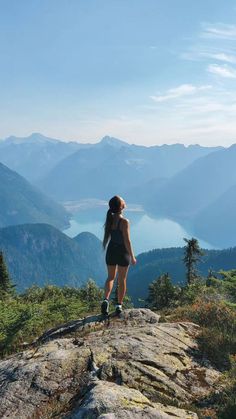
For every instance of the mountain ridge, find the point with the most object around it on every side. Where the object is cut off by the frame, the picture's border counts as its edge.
(22, 202)
(194, 187)
(128, 166)
(40, 253)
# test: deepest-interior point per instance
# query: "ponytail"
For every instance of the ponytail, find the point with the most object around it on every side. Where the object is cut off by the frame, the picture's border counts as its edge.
(107, 227)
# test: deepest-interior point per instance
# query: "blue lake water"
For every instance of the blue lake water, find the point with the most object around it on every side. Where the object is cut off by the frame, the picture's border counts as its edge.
(146, 233)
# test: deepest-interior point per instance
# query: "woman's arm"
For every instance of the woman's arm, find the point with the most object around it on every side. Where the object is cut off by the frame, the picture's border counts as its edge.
(127, 241)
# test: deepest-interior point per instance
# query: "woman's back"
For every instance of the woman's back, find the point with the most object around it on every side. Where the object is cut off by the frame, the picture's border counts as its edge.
(116, 234)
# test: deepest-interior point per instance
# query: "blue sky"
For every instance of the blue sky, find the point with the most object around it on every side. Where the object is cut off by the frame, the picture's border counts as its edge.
(147, 71)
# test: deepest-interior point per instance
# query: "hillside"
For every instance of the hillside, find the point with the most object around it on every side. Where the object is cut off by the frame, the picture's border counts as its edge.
(217, 221)
(151, 264)
(23, 203)
(92, 250)
(87, 173)
(197, 186)
(41, 254)
(73, 178)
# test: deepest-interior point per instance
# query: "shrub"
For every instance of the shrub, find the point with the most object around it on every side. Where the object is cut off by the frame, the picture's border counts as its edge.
(226, 400)
(26, 316)
(217, 338)
(189, 293)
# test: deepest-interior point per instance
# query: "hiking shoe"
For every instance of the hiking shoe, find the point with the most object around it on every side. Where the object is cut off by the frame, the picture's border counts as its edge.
(118, 309)
(105, 307)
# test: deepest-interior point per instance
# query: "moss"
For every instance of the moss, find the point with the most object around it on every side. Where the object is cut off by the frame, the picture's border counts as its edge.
(137, 402)
(101, 358)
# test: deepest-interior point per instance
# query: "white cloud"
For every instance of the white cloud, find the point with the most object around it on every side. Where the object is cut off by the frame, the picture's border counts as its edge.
(219, 31)
(214, 42)
(182, 90)
(221, 56)
(202, 114)
(222, 71)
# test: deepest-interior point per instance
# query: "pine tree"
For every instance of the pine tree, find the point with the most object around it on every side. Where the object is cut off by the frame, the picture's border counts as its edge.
(91, 294)
(6, 286)
(211, 277)
(192, 255)
(162, 293)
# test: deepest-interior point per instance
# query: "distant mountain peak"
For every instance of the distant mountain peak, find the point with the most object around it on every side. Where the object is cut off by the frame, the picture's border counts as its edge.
(113, 142)
(34, 137)
(37, 136)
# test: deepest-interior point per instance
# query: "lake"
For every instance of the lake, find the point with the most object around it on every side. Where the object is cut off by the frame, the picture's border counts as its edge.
(147, 233)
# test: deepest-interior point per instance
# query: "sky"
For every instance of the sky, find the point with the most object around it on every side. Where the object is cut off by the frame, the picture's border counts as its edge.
(145, 71)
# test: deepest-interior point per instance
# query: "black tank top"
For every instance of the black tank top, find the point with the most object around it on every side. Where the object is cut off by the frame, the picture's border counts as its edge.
(117, 235)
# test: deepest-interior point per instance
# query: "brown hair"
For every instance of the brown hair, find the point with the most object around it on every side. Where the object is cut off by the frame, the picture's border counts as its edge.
(114, 207)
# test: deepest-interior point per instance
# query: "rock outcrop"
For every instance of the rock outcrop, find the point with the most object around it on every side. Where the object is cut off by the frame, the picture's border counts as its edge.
(128, 367)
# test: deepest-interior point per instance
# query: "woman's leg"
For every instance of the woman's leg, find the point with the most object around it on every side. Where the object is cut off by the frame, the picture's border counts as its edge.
(111, 269)
(122, 275)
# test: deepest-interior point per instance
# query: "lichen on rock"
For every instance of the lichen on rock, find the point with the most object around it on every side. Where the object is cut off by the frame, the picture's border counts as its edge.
(131, 366)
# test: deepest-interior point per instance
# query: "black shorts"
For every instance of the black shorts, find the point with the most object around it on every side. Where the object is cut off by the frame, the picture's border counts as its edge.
(117, 254)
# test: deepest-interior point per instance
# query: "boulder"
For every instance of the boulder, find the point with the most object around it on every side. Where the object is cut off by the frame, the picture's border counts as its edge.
(127, 367)
(125, 403)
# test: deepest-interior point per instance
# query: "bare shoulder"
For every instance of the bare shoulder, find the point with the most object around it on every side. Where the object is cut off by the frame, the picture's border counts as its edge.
(125, 222)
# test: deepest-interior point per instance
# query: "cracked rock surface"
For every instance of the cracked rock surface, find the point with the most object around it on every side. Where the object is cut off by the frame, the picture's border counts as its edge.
(128, 367)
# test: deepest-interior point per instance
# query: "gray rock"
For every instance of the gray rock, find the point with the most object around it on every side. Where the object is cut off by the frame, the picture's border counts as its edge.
(123, 402)
(131, 366)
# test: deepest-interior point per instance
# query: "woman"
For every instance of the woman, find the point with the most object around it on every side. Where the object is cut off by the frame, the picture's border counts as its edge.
(119, 252)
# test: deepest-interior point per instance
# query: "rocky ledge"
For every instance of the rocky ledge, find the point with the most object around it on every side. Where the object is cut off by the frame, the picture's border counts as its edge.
(127, 367)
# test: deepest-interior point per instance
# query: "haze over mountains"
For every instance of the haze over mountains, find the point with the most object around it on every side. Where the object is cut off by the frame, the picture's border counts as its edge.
(34, 156)
(217, 221)
(203, 195)
(198, 185)
(49, 162)
(192, 185)
(22, 202)
(112, 165)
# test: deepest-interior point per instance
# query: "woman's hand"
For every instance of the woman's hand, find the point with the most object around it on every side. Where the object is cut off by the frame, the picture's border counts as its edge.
(133, 260)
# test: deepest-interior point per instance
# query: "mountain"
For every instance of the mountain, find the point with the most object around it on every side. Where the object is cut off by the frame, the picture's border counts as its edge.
(73, 178)
(36, 155)
(216, 223)
(113, 167)
(114, 142)
(40, 254)
(35, 137)
(23, 203)
(158, 261)
(188, 192)
(92, 249)
(144, 190)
